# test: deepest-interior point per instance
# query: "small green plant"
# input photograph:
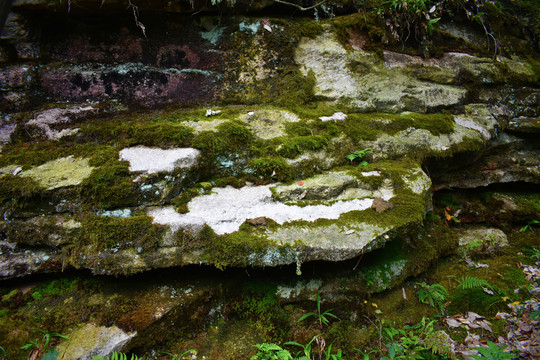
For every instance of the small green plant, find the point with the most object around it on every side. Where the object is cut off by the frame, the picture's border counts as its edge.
(534, 253)
(115, 356)
(529, 226)
(306, 349)
(493, 352)
(358, 155)
(271, 352)
(435, 295)
(43, 345)
(182, 355)
(322, 317)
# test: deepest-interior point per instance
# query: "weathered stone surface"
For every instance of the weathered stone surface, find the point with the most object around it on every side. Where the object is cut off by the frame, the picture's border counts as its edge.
(18, 262)
(130, 83)
(68, 171)
(508, 159)
(372, 87)
(525, 125)
(47, 119)
(267, 124)
(15, 77)
(478, 240)
(5, 133)
(88, 340)
(151, 160)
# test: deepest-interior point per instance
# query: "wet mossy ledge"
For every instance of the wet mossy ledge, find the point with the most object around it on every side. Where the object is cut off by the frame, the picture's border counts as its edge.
(269, 133)
(312, 203)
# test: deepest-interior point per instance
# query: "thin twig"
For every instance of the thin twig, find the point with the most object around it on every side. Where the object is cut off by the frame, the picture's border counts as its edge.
(139, 24)
(300, 7)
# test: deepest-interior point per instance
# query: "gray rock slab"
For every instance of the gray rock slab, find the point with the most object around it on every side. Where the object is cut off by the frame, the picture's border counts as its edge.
(88, 340)
(154, 160)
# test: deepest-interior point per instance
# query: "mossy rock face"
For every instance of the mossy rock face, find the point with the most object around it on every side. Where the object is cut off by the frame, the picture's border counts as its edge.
(360, 81)
(87, 340)
(481, 240)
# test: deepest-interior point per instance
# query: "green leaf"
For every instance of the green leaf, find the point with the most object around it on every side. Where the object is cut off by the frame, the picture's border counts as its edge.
(50, 355)
(305, 316)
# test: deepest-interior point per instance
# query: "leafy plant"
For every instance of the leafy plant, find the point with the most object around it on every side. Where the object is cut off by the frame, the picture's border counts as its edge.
(471, 282)
(43, 345)
(271, 352)
(529, 226)
(434, 295)
(181, 356)
(534, 253)
(306, 349)
(493, 352)
(322, 317)
(115, 356)
(413, 342)
(358, 155)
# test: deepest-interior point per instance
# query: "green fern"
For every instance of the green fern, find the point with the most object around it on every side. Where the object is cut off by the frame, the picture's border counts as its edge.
(471, 282)
(271, 352)
(435, 295)
(115, 356)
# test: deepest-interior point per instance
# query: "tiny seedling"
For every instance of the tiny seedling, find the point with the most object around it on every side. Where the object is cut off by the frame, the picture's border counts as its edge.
(358, 155)
(181, 356)
(322, 317)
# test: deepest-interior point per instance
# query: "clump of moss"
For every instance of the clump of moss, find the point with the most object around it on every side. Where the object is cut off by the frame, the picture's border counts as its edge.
(103, 155)
(109, 185)
(259, 305)
(368, 23)
(107, 232)
(272, 168)
(15, 191)
(294, 146)
(234, 134)
(130, 133)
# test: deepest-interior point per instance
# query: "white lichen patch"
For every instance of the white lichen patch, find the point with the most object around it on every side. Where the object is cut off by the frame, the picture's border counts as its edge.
(154, 160)
(227, 208)
(68, 171)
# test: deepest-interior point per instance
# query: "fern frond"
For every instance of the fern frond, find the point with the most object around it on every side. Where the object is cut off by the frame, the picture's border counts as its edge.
(471, 282)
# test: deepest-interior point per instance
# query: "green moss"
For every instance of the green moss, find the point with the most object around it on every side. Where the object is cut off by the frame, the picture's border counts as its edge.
(364, 22)
(130, 133)
(294, 146)
(106, 233)
(103, 155)
(369, 126)
(109, 185)
(15, 191)
(272, 168)
(28, 155)
(234, 134)
(258, 305)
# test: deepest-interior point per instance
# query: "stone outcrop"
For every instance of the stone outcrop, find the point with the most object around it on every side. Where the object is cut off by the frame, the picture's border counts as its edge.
(260, 170)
